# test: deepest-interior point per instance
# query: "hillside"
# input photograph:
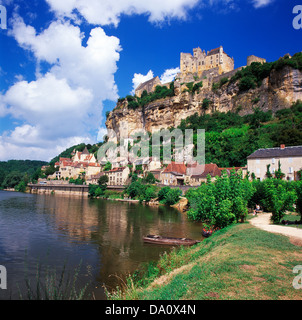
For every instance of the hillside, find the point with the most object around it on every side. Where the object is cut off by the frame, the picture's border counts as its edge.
(17, 169)
(269, 86)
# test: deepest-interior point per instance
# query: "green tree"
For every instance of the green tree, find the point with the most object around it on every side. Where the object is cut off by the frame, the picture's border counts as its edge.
(12, 179)
(108, 166)
(279, 174)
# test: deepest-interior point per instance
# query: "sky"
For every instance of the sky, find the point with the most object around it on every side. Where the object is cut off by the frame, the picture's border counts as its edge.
(64, 64)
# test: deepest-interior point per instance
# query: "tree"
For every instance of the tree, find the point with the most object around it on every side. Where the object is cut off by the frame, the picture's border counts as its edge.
(150, 179)
(2, 177)
(103, 180)
(12, 179)
(108, 166)
(277, 198)
(279, 174)
(268, 172)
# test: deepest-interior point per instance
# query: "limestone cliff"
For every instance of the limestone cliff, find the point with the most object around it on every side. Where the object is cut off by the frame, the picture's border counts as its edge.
(278, 91)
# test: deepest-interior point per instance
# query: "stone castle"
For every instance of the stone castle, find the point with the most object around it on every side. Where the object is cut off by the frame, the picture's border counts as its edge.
(200, 66)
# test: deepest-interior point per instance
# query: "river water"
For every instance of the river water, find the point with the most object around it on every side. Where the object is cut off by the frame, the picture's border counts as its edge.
(101, 238)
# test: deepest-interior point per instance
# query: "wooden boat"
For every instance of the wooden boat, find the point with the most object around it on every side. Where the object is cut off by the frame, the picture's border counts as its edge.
(169, 241)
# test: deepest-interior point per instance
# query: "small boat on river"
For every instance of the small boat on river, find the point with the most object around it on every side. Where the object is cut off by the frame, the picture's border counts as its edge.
(169, 241)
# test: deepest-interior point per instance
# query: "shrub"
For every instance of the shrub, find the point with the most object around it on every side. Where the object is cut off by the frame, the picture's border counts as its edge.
(163, 192)
(247, 83)
(172, 197)
(277, 198)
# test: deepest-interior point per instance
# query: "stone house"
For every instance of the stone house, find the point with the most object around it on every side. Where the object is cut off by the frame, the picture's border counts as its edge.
(94, 179)
(118, 176)
(198, 174)
(290, 159)
(149, 86)
(174, 174)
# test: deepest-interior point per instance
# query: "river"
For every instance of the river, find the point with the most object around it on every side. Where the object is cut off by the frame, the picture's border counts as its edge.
(103, 238)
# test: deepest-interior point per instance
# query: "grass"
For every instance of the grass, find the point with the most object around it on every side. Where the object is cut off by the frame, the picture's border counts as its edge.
(51, 285)
(240, 262)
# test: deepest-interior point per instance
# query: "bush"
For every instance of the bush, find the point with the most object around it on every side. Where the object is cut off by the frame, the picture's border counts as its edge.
(247, 83)
(277, 198)
(172, 197)
(163, 192)
(222, 202)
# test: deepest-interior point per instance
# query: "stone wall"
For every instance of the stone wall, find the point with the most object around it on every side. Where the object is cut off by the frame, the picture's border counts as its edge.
(252, 58)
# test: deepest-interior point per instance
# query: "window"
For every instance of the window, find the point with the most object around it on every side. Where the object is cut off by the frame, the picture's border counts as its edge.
(273, 161)
(290, 160)
(258, 170)
(258, 161)
(291, 169)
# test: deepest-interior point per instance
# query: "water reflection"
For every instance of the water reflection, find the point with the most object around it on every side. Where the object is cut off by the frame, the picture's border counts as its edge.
(105, 235)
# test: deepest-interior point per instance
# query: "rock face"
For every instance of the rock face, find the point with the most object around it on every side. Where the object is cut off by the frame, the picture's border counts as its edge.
(280, 90)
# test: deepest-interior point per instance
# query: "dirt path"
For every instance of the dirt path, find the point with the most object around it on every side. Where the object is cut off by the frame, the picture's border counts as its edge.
(263, 222)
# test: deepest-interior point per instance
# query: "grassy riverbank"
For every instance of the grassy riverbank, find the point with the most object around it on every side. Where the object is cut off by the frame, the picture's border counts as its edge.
(239, 262)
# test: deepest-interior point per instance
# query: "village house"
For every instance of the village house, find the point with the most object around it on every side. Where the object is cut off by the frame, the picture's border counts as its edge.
(118, 176)
(290, 159)
(198, 174)
(174, 174)
(82, 164)
(94, 179)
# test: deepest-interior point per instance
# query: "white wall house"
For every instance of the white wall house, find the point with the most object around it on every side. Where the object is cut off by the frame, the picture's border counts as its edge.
(289, 157)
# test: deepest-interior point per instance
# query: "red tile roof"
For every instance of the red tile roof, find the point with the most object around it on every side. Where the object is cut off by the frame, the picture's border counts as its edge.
(179, 168)
(210, 169)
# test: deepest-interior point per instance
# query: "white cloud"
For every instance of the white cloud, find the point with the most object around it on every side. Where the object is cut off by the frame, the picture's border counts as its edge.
(140, 78)
(169, 75)
(109, 12)
(261, 3)
(65, 103)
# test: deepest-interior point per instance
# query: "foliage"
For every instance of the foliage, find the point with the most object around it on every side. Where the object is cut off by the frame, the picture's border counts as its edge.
(205, 104)
(160, 92)
(21, 187)
(279, 174)
(108, 166)
(77, 181)
(169, 196)
(12, 179)
(230, 138)
(222, 202)
(103, 180)
(150, 178)
(218, 85)
(277, 198)
(172, 197)
(298, 189)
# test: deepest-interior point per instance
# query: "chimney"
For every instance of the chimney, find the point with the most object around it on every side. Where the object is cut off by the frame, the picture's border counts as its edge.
(282, 146)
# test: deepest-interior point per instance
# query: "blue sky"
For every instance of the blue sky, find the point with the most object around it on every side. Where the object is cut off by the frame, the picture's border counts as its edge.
(63, 64)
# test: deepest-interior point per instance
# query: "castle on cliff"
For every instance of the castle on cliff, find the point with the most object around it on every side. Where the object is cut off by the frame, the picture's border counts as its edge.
(199, 66)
